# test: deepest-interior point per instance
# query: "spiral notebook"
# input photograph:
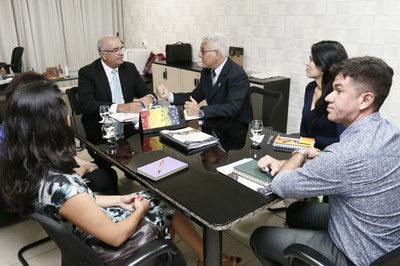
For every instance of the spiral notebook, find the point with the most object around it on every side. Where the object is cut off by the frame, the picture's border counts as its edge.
(227, 170)
(252, 172)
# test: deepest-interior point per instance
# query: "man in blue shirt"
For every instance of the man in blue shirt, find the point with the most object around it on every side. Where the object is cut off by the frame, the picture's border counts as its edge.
(360, 174)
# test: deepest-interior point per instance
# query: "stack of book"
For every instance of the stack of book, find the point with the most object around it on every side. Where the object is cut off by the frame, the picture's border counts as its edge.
(288, 144)
(189, 138)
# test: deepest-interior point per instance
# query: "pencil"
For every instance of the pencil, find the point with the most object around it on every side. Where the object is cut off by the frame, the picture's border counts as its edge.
(160, 166)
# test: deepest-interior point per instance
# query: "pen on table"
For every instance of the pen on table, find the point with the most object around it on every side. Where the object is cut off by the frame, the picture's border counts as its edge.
(160, 166)
(270, 139)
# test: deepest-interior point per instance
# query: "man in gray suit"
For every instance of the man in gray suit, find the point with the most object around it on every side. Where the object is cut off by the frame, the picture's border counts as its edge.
(223, 84)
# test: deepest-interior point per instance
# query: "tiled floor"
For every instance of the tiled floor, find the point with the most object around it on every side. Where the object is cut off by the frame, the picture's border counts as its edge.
(235, 239)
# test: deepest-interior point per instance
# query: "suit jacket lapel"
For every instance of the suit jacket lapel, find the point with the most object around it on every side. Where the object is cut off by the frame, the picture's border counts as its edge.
(122, 81)
(221, 78)
(105, 85)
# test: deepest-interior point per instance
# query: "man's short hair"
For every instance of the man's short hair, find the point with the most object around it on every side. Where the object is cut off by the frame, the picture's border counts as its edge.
(220, 40)
(101, 41)
(369, 74)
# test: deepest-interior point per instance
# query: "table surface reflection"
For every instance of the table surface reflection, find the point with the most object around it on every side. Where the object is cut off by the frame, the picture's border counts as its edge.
(207, 197)
(200, 191)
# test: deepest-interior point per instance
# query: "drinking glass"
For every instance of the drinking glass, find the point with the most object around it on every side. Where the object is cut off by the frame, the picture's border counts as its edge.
(256, 129)
(110, 128)
(104, 111)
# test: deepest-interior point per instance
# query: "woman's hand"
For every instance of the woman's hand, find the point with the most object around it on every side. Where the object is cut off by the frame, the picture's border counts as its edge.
(272, 164)
(141, 204)
(134, 201)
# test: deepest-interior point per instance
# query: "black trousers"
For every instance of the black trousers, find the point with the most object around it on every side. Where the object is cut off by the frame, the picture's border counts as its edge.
(308, 223)
(103, 180)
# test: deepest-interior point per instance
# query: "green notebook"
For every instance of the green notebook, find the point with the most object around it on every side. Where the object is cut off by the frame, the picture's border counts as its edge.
(252, 172)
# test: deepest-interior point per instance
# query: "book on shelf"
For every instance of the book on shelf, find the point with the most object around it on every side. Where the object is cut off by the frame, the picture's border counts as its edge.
(290, 143)
(189, 138)
(247, 172)
(162, 168)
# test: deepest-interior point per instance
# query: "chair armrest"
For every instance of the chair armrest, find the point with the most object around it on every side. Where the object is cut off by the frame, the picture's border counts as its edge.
(305, 254)
(152, 250)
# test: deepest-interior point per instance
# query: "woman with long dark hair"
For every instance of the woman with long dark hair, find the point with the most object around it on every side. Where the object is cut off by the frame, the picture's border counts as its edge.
(314, 121)
(102, 180)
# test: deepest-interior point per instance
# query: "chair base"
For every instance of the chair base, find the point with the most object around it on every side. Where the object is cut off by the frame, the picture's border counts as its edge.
(29, 246)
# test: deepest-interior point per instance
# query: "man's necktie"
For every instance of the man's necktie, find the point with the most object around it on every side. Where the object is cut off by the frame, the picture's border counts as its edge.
(118, 98)
(117, 87)
(213, 79)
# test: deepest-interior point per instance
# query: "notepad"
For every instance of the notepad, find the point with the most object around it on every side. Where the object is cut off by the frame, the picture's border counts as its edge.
(126, 117)
(164, 167)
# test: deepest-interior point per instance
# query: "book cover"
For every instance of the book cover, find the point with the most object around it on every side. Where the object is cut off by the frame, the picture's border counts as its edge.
(252, 172)
(159, 117)
(162, 168)
(289, 144)
(189, 138)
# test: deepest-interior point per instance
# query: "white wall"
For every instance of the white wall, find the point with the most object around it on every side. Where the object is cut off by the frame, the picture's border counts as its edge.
(276, 34)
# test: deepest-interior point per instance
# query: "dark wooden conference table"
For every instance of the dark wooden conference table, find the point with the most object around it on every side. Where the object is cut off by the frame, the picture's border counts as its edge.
(206, 196)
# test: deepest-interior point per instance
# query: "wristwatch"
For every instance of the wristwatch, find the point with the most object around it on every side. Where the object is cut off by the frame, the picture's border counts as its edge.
(201, 113)
(301, 151)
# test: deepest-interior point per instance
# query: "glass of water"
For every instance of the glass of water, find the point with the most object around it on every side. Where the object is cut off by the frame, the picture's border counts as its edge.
(110, 128)
(104, 111)
(256, 129)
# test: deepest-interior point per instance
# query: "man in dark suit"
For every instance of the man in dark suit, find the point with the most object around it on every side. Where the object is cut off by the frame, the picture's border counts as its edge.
(223, 84)
(110, 81)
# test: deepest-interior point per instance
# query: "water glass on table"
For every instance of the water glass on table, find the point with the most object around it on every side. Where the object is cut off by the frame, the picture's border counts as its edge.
(110, 128)
(104, 111)
(256, 129)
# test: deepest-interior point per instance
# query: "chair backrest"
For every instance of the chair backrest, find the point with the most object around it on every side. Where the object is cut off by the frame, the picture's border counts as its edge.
(300, 254)
(73, 97)
(267, 106)
(73, 250)
(16, 59)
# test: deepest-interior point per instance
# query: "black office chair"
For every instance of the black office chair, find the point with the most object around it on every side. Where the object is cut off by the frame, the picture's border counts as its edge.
(301, 253)
(75, 252)
(73, 98)
(16, 61)
(270, 101)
